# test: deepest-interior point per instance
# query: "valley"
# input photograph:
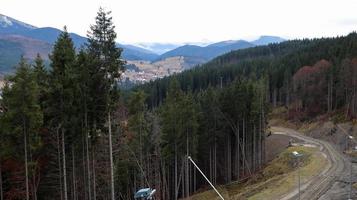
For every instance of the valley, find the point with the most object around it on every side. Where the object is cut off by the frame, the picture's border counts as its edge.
(21, 39)
(144, 71)
(119, 112)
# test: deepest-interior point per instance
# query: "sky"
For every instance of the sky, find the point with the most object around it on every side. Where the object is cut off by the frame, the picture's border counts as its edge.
(185, 21)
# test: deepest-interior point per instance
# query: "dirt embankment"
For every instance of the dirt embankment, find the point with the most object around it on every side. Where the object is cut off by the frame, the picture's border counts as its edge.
(275, 144)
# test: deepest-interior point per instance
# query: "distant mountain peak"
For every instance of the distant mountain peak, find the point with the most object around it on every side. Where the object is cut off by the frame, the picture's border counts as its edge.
(4, 21)
(267, 39)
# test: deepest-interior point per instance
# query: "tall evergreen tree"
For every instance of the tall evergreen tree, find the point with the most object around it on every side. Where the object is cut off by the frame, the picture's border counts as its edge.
(61, 94)
(107, 65)
(23, 116)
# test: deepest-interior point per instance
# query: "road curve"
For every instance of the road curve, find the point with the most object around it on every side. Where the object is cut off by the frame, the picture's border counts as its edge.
(320, 183)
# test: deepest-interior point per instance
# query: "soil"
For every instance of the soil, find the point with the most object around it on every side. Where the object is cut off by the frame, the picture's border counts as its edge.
(275, 144)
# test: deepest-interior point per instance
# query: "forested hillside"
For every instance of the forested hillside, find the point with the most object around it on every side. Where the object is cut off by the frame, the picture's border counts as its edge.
(67, 132)
(312, 76)
(233, 94)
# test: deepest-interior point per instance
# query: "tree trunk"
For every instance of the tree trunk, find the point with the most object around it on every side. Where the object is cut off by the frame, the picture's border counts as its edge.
(94, 176)
(194, 179)
(88, 158)
(254, 149)
(215, 162)
(329, 93)
(210, 163)
(263, 139)
(243, 148)
(34, 184)
(275, 94)
(176, 190)
(26, 165)
(111, 158)
(84, 184)
(74, 175)
(64, 167)
(164, 181)
(1, 190)
(238, 152)
(260, 142)
(229, 159)
(59, 163)
(187, 169)
(215, 152)
(287, 99)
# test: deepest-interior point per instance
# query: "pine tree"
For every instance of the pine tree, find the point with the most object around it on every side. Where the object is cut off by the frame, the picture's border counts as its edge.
(179, 122)
(23, 114)
(61, 94)
(107, 64)
(138, 125)
(41, 78)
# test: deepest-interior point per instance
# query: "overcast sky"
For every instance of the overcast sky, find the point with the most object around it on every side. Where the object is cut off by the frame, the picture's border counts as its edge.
(178, 21)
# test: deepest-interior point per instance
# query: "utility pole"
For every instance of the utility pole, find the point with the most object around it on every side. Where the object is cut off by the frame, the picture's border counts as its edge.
(299, 177)
(297, 156)
(350, 181)
(350, 192)
(348, 136)
(193, 162)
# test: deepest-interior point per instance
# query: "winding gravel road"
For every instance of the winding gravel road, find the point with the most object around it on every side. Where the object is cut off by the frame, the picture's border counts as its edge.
(335, 173)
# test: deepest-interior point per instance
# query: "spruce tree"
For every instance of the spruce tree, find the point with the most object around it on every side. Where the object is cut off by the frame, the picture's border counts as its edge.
(61, 93)
(23, 116)
(107, 65)
(41, 78)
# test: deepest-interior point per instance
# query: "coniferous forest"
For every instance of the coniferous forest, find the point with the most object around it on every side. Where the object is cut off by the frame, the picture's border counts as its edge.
(69, 132)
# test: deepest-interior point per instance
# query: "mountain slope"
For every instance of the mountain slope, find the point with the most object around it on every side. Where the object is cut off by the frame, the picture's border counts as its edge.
(274, 61)
(158, 48)
(132, 52)
(208, 52)
(10, 26)
(10, 53)
(265, 40)
(12, 47)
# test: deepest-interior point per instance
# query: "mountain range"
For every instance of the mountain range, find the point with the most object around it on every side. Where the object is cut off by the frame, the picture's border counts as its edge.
(18, 38)
(26, 39)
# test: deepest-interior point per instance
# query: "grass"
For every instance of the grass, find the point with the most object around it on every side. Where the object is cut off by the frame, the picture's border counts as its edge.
(354, 186)
(287, 182)
(277, 179)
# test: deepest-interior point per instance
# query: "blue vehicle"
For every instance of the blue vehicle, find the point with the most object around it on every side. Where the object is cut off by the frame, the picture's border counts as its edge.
(145, 194)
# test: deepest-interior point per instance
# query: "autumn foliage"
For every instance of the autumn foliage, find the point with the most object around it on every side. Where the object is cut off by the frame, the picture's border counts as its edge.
(310, 86)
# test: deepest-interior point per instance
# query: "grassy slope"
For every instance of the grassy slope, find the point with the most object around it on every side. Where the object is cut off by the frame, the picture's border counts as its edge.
(278, 178)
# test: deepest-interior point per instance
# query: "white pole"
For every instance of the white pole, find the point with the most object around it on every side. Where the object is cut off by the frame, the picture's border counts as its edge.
(193, 162)
(350, 192)
(299, 176)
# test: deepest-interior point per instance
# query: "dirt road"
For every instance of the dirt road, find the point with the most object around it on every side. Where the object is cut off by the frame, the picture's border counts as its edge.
(322, 185)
